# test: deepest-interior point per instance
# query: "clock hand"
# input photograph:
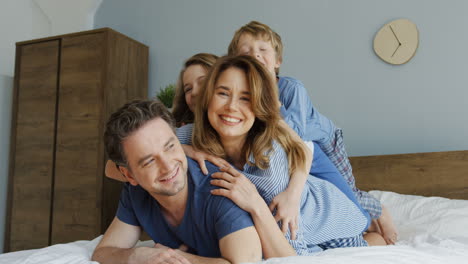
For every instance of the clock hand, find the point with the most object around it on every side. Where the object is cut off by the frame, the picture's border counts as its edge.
(396, 50)
(399, 43)
(391, 28)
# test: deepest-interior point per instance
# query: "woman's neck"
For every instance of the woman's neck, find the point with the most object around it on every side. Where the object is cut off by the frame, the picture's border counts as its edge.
(233, 150)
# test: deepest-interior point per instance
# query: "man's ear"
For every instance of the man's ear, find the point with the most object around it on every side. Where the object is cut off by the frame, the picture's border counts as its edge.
(128, 175)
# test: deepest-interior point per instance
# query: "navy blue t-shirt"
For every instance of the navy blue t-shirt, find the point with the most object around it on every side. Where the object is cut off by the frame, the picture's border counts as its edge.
(207, 218)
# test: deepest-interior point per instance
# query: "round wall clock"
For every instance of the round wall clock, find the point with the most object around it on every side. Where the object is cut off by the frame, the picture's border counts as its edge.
(397, 42)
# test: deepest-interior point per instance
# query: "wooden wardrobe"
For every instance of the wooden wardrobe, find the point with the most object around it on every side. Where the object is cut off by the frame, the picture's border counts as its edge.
(65, 89)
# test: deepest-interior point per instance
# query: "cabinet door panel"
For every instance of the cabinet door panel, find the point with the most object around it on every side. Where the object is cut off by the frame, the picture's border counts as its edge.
(127, 79)
(78, 177)
(33, 152)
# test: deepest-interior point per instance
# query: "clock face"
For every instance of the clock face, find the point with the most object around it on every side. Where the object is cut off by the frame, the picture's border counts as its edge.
(397, 41)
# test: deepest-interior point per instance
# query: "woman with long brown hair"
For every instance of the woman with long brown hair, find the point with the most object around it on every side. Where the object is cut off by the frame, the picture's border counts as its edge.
(237, 118)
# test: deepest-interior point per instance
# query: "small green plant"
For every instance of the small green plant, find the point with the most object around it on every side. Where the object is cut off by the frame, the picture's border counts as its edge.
(166, 95)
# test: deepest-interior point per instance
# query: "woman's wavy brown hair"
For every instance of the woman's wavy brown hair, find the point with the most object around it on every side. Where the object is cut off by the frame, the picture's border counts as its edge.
(265, 106)
(181, 111)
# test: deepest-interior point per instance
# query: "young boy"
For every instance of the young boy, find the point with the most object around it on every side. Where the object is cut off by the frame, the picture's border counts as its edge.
(260, 41)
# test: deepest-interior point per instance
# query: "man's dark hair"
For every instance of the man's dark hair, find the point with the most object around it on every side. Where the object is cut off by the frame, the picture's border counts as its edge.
(128, 119)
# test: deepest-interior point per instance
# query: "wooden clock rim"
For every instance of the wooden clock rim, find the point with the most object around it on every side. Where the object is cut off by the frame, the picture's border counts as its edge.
(388, 24)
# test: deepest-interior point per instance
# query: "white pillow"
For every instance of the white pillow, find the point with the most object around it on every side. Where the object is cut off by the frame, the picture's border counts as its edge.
(435, 216)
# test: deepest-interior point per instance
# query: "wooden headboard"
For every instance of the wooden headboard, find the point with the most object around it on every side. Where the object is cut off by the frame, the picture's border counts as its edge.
(430, 174)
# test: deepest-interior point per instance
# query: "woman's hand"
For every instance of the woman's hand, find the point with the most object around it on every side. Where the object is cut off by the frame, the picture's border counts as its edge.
(235, 186)
(201, 157)
(243, 192)
(287, 205)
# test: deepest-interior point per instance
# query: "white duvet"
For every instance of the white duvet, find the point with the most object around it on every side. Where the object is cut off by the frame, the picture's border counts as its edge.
(432, 230)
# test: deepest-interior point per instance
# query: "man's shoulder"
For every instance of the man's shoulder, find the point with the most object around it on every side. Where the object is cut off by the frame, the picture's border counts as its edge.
(202, 183)
(200, 180)
(201, 196)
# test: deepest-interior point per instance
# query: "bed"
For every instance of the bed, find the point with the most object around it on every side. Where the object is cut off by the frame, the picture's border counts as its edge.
(426, 193)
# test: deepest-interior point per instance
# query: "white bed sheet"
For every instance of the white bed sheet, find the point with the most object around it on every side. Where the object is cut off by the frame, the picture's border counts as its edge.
(432, 230)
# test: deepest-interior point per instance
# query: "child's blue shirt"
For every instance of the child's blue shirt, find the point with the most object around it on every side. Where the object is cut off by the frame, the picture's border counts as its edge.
(299, 113)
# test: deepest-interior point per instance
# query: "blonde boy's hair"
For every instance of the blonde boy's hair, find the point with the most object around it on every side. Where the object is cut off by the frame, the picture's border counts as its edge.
(257, 30)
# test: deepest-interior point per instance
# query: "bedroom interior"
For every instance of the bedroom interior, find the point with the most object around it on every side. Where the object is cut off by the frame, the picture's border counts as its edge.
(405, 125)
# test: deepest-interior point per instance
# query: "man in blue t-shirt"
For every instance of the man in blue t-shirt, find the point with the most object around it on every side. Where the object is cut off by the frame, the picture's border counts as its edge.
(169, 197)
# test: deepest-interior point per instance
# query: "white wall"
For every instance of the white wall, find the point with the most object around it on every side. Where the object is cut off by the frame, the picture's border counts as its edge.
(22, 20)
(19, 20)
(6, 95)
(67, 16)
(30, 19)
(383, 109)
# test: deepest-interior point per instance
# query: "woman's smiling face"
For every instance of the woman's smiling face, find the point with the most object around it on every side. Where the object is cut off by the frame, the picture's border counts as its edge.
(230, 111)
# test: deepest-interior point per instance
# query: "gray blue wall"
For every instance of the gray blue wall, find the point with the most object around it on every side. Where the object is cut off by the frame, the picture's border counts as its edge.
(383, 109)
(6, 96)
